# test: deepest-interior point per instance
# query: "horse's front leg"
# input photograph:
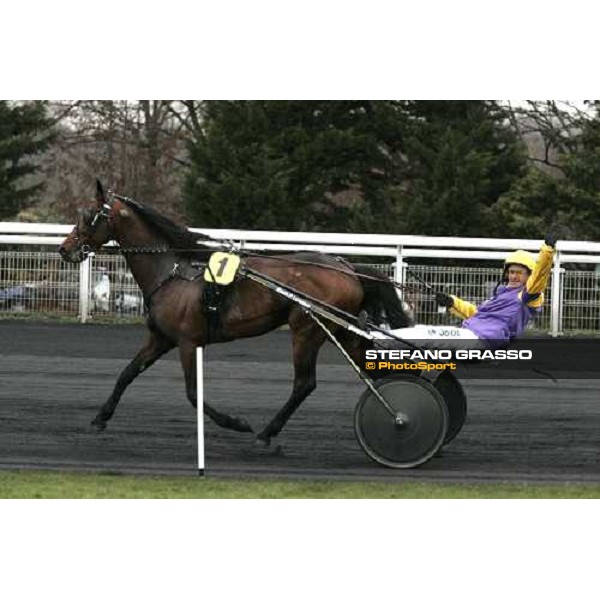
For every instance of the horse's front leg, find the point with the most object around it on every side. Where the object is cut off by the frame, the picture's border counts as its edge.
(187, 354)
(308, 338)
(154, 348)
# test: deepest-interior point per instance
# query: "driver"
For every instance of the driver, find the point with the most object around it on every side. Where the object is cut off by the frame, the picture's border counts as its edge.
(500, 319)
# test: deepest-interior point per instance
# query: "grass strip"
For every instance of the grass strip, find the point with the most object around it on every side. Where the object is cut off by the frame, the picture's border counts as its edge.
(54, 485)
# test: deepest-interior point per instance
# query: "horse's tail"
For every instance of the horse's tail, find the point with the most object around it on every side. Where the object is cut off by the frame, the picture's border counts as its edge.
(380, 298)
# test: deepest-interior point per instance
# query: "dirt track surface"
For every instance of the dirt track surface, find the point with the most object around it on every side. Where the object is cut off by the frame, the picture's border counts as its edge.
(54, 377)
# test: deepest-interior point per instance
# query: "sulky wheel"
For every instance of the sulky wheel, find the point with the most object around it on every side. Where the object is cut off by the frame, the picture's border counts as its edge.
(456, 402)
(454, 396)
(413, 433)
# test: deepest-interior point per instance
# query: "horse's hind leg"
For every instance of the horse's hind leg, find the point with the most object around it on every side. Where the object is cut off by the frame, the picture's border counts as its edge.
(187, 353)
(154, 348)
(307, 340)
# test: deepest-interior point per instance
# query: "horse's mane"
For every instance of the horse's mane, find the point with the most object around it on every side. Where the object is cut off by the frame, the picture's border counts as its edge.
(177, 236)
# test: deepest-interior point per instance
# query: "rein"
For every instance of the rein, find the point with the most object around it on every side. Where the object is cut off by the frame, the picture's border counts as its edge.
(105, 212)
(145, 249)
(246, 254)
(401, 286)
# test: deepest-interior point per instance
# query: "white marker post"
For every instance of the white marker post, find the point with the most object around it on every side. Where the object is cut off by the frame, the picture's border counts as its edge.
(200, 408)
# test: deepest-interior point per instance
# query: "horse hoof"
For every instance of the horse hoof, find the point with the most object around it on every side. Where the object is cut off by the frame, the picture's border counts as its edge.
(242, 425)
(98, 425)
(261, 442)
(264, 446)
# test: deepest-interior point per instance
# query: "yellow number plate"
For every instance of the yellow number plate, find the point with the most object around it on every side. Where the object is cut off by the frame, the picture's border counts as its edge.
(222, 268)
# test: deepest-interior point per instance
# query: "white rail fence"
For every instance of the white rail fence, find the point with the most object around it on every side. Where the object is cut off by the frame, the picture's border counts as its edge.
(34, 279)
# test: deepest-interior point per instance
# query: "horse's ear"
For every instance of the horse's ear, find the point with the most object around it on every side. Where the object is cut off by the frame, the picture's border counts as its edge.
(100, 196)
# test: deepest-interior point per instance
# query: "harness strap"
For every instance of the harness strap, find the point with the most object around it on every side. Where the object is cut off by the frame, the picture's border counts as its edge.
(211, 313)
(174, 274)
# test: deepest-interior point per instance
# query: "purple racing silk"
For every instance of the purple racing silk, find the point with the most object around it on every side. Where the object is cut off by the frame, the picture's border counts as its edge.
(503, 317)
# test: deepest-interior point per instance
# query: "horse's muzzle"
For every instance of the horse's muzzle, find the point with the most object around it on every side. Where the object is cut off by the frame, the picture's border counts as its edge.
(75, 255)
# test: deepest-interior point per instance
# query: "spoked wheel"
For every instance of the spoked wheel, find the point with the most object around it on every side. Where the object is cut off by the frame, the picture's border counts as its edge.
(411, 432)
(456, 402)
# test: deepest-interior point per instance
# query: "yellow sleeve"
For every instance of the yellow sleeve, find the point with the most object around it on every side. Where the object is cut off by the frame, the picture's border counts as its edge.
(538, 280)
(462, 308)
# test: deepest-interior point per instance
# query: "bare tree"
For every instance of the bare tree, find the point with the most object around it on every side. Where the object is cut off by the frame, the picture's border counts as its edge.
(548, 127)
(137, 147)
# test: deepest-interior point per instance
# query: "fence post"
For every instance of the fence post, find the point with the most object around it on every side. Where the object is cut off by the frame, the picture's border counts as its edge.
(84, 289)
(399, 275)
(557, 290)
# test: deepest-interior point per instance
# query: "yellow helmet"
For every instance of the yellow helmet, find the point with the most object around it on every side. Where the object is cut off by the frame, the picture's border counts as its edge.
(520, 257)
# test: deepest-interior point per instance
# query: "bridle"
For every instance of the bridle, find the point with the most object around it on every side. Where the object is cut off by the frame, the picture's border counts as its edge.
(102, 215)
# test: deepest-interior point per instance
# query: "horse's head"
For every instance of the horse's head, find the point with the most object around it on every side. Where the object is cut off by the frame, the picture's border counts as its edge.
(91, 231)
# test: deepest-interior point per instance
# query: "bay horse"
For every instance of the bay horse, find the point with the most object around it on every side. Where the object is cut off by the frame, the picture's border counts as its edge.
(163, 259)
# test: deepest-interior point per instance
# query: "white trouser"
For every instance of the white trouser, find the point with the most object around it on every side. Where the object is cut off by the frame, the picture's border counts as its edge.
(436, 336)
